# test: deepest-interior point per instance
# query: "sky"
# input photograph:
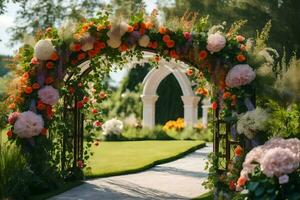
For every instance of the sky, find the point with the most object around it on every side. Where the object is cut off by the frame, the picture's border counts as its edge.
(7, 21)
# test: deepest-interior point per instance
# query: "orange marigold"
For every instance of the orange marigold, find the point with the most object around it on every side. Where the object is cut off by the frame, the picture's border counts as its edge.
(241, 58)
(162, 30)
(35, 86)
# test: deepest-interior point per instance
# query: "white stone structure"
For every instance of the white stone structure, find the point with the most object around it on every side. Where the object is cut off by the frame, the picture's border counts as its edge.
(151, 83)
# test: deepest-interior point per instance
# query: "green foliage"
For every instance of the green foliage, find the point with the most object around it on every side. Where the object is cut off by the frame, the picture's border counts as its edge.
(15, 174)
(131, 133)
(263, 187)
(284, 122)
(262, 37)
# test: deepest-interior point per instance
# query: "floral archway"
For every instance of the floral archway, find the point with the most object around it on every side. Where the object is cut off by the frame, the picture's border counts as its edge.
(53, 89)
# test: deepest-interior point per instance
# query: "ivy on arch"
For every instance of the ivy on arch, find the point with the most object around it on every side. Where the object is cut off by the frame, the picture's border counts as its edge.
(53, 89)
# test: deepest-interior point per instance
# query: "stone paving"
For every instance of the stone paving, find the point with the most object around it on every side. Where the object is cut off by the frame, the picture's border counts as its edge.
(180, 179)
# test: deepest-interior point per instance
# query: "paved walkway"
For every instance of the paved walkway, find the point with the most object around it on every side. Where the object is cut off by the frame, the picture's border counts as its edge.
(180, 179)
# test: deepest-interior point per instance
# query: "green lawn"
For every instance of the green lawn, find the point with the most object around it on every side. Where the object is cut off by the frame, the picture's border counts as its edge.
(114, 158)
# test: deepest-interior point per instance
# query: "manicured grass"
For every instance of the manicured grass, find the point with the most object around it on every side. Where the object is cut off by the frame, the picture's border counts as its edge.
(115, 158)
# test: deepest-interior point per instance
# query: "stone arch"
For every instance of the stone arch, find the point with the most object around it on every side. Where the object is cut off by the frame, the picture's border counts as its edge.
(151, 83)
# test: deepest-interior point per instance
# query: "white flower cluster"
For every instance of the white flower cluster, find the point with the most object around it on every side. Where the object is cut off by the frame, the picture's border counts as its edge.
(44, 49)
(49, 95)
(251, 122)
(215, 42)
(28, 124)
(116, 33)
(112, 126)
(277, 157)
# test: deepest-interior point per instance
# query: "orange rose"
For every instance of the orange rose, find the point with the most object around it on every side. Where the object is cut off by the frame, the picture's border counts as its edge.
(49, 80)
(170, 44)
(162, 30)
(238, 150)
(54, 56)
(28, 90)
(49, 65)
(202, 54)
(44, 132)
(130, 29)
(34, 61)
(123, 47)
(214, 105)
(41, 105)
(166, 38)
(35, 86)
(173, 54)
(92, 53)
(189, 72)
(25, 76)
(240, 38)
(149, 25)
(81, 56)
(99, 45)
(75, 47)
(9, 134)
(49, 112)
(241, 58)
(241, 181)
(12, 106)
(226, 95)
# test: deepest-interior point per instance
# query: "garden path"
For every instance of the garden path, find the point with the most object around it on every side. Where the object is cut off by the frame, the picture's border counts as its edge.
(180, 179)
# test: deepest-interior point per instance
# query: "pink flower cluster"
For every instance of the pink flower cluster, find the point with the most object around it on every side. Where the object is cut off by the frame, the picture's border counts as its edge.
(13, 118)
(215, 42)
(48, 95)
(277, 157)
(240, 75)
(28, 124)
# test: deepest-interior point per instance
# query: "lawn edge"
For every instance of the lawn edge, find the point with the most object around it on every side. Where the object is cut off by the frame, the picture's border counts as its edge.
(150, 165)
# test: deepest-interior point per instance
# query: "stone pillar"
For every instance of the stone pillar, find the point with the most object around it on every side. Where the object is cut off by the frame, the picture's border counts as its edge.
(190, 104)
(205, 106)
(149, 110)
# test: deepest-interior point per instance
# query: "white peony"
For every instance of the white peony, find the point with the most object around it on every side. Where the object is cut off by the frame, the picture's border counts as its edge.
(215, 42)
(49, 95)
(44, 49)
(67, 30)
(144, 41)
(112, 126)
(240, 75)
(251, 122)
(28, 124)
(114, 43)
(87, 42)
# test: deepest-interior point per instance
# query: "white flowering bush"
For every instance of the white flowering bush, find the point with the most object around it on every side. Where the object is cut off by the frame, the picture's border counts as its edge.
(112, 127)
(252, 122)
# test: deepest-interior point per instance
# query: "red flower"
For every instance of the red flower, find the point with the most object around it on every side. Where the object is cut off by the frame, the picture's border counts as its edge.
(49, 112)
(71, 90)
(9, 134)
(94, 111)
(75, 47)
(189, 72)
(123, 47)
(240, 38)
(97, 123)
(241, 181)
(49, 80)
(226, 95)
(85, 99)
(162, 30)
(81, 56)
(214, 105)
(74, 62)
(202, 54)
(79, 84)
(241, 58)
(166, 38)
(173, 54)
(44, 132)
(79, 105)
(232, 185)
(35, 86)
(28, 90)
(54, 56)
(80, 164)
(238, 151)
(49, 65)
(41, 105)
(92, 53)
(187, 35)
(170, 44)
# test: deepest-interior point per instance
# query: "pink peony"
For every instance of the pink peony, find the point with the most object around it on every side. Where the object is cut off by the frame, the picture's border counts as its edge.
(28, 125)
(278, 161)
(13, 117)
(49, 95)
(215, 42)
(240, 75)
